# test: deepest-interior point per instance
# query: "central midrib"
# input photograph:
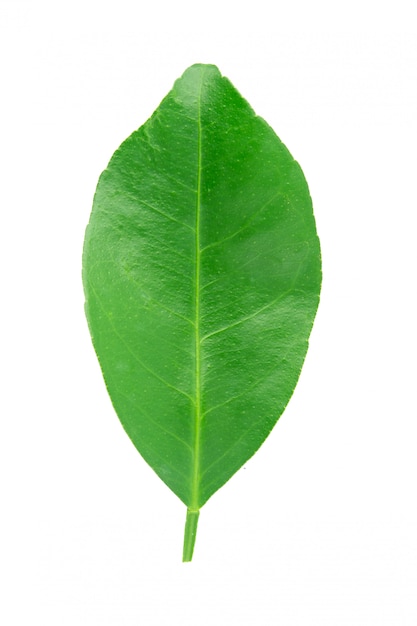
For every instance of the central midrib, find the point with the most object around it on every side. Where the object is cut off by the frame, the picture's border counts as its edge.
(194, 506)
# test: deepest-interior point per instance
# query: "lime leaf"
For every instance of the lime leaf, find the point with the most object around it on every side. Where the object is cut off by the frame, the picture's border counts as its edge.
(202, 276)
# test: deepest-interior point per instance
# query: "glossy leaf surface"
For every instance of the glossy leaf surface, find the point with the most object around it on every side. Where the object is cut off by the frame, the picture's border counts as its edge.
(202, 275)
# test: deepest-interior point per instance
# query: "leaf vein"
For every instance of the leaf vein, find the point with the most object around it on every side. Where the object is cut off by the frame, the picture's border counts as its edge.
(245, 225)
(160, 426)
(244, 319)
(153, 208)
(134, 355)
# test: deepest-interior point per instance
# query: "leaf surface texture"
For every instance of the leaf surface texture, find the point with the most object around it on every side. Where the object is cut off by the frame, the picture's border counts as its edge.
(202, 275)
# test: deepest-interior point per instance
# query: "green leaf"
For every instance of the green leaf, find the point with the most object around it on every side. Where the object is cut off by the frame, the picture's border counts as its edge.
(202, 275)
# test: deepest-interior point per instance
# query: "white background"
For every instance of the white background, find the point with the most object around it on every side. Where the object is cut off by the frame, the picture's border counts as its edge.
(320, 528)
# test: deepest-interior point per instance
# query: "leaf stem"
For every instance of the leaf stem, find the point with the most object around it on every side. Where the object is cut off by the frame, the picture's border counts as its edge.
(190, 533)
